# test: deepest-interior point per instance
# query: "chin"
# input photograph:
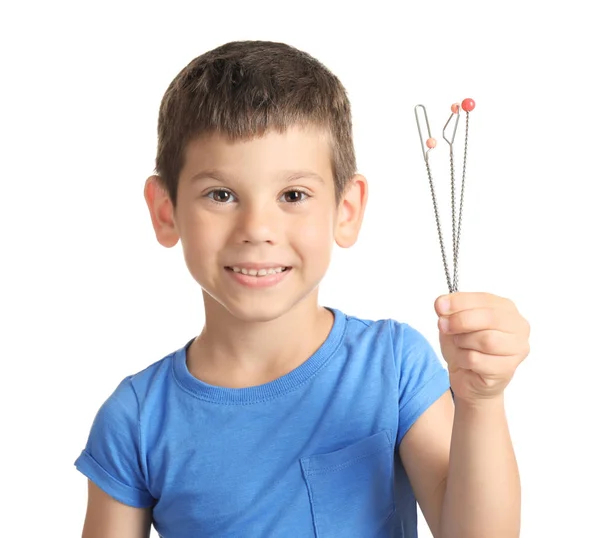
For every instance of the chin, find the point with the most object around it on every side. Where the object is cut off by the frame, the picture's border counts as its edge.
(258, 306)
(256, 317)
(258, 310)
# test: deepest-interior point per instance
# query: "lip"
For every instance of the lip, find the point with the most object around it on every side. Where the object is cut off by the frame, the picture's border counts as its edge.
(258, 282)
(257, 266)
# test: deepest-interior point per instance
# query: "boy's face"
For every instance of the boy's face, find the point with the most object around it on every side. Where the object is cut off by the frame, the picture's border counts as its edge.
(267, 205)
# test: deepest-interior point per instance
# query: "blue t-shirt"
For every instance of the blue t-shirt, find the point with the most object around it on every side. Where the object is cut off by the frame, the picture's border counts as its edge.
(311, 454)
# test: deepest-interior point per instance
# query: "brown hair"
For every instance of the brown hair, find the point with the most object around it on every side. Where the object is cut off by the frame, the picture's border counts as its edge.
(244, 88)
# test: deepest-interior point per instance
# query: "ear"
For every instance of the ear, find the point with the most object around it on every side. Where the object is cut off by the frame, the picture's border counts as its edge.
(350, 211)
(162, 212)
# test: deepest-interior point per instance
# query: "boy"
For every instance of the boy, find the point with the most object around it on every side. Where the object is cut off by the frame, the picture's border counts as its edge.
(284, 418)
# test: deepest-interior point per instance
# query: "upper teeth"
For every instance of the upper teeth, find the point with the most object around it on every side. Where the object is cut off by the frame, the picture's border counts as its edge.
(258, 272)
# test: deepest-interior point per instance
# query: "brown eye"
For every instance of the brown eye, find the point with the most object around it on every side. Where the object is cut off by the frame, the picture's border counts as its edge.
(220, 196)
(294, 196)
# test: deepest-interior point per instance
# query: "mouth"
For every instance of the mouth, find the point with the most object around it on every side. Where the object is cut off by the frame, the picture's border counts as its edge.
(263, 271)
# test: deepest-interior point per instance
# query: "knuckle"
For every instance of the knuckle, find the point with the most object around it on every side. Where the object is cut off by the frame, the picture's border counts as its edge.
(457, 323)
(489, 340)
(471, 359)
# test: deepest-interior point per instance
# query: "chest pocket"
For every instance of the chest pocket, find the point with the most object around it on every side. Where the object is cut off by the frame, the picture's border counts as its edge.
(351, 490)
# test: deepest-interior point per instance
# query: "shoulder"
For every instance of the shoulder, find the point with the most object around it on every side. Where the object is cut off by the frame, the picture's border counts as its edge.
(359, 328)
(390, 341)
(135, 390)
(399, 337)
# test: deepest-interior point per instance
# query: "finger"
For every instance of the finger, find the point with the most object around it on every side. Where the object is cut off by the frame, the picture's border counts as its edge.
(489, 366)
(481, 319)
(458, 301)
(490, 342)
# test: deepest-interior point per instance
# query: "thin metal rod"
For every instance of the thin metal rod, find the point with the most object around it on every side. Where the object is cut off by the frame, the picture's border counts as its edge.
(462, 195)
(453, 201)
(439, 227)
(425, 152)
(456, 117)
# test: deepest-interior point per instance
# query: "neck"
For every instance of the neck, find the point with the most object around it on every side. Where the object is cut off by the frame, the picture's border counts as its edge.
(237, 353)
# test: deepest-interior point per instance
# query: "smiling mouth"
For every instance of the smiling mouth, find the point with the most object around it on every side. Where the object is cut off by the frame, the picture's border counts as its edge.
(258, 272)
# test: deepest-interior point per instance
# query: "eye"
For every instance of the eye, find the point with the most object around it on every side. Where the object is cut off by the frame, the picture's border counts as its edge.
(294, 197)
(220, 196)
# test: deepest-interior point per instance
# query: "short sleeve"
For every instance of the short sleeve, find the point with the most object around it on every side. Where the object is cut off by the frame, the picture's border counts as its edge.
(112, 456)
(423, 378)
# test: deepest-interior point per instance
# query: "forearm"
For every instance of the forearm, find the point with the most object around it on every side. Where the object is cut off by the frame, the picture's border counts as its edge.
(483, 492)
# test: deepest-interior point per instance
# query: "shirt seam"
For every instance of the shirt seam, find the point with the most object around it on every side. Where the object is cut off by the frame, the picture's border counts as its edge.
(140, 451)
(126, 486)
(272, 397)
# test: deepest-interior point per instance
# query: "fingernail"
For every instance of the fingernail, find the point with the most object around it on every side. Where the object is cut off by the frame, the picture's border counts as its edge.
(444, 324)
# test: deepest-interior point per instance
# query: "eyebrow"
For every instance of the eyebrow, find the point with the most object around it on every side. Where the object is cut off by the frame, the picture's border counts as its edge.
(208, 174)
(289, 175)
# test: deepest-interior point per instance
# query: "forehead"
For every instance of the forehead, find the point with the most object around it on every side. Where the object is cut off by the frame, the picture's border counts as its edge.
(298, 148)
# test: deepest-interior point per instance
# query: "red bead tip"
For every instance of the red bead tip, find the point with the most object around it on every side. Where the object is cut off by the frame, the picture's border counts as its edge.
(455, 107)
(431, 143)
(468, 105)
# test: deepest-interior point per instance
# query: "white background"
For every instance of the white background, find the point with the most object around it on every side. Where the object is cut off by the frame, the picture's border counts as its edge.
(88, 296)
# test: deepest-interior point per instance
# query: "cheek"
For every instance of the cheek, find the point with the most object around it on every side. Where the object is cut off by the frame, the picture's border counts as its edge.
(201, 237)
(314, 234)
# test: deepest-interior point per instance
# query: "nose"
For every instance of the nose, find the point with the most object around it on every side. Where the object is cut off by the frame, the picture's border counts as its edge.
(257, 224)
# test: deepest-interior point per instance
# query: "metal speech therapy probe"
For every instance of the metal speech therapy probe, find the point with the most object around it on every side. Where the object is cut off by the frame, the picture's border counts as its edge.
(451, 125)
